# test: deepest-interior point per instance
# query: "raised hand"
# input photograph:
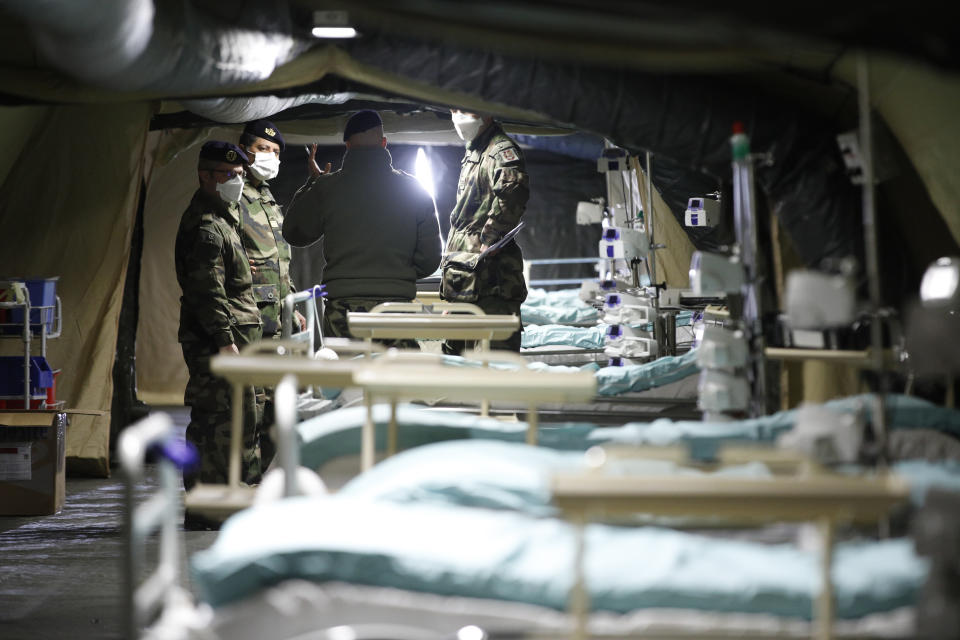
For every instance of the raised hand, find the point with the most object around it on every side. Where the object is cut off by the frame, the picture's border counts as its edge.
(312, 163)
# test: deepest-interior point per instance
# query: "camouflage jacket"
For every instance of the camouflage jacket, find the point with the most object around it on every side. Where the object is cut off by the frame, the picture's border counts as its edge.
(213, 271)
(269, 252)
(491, 197)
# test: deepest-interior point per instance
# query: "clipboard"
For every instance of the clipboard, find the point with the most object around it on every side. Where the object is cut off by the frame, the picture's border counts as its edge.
(502, 242)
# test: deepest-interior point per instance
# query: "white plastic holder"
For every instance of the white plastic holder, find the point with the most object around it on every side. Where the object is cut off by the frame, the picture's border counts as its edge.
(626, 308)
(633, 347)
(589, 212)
(670, 297)
(712, 273)
(816, 300)
(623, 243)
(719, 392)
(827, 436)
(722, 349)
(589, 291)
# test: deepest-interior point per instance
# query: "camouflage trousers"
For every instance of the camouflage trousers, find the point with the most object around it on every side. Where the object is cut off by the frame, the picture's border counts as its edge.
(495, 306)
(335, 319)
(270, 315)
(209, 398)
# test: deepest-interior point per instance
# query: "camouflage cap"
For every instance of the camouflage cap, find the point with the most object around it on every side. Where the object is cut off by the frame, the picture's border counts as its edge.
(361, 121)
(265, 129)
(220, 151)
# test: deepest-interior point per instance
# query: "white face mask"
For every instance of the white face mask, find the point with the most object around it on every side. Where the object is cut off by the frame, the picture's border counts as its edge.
(265, 166)
(231, 189)
(467, 125)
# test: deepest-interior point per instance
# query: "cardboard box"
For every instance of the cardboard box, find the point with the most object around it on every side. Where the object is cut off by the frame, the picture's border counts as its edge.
(32, 462)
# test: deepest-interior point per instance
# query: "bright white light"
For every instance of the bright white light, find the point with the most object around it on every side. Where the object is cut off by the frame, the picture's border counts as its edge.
(342, 632)
(423, 172)
(471, 632)
(334, 32)
(940, 281)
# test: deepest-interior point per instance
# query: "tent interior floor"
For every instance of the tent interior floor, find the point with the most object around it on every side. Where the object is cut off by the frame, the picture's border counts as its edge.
(61, 575)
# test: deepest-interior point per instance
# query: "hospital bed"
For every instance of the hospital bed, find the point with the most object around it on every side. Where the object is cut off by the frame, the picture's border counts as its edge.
(676, 396)
(330, 443)
(574, 345)
(351, 535)
(361, 559)
(391, 377)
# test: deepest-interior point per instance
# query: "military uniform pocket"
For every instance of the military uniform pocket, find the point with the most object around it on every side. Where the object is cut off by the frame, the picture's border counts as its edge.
(266, 293)
(244, 334)
(460, 277)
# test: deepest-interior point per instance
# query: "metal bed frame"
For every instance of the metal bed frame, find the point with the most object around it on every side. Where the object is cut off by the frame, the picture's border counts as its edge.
(809, 494)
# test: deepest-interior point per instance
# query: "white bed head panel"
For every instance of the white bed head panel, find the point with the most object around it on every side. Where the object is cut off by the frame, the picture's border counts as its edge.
(269, 370)
(429, 326)
(466, 384)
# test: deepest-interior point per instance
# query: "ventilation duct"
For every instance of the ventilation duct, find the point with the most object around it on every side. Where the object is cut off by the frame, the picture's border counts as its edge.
(235, 110)
(133, 45)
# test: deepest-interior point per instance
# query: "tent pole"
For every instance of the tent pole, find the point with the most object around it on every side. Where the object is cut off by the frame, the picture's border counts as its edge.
(871, 251)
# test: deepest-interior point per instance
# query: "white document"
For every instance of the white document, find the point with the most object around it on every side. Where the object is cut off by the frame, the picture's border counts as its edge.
(15, 462)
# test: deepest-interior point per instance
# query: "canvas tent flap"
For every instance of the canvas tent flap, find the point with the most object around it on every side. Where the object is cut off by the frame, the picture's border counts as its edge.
(78, 225)
(919, 104)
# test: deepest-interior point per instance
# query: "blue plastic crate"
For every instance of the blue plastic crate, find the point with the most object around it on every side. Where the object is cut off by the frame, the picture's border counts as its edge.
(43, 293)
(11, 376)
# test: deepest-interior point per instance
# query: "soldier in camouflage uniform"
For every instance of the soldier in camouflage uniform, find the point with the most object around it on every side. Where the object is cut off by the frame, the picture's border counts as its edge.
(218, 313)
(491, 197)
(268, 252)
(379, 228)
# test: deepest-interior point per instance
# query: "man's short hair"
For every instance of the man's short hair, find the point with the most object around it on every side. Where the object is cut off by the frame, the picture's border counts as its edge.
(361, 121)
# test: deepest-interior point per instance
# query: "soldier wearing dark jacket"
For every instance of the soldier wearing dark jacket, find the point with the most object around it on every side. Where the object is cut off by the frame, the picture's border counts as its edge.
(379, 227)
(491, 197)
(218, 312)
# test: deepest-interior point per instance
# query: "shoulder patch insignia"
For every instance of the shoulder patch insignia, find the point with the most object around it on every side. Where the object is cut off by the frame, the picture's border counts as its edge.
(508, 155)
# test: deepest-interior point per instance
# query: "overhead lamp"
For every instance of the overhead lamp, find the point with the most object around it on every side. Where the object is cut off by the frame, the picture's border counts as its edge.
(332, 25)
(423, 173)
(933, 324)
(941, 283)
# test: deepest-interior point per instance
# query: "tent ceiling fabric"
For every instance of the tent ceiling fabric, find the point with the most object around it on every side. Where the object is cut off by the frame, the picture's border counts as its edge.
(809, 45)
(680, 35)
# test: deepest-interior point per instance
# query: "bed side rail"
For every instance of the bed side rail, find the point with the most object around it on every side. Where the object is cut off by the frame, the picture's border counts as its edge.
(161, 589)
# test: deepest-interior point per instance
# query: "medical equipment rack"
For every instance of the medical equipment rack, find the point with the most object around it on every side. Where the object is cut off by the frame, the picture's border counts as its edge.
(26, 332)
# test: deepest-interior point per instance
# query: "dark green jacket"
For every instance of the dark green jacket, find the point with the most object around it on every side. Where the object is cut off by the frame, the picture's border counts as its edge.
(217, 305)
(379, 227)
